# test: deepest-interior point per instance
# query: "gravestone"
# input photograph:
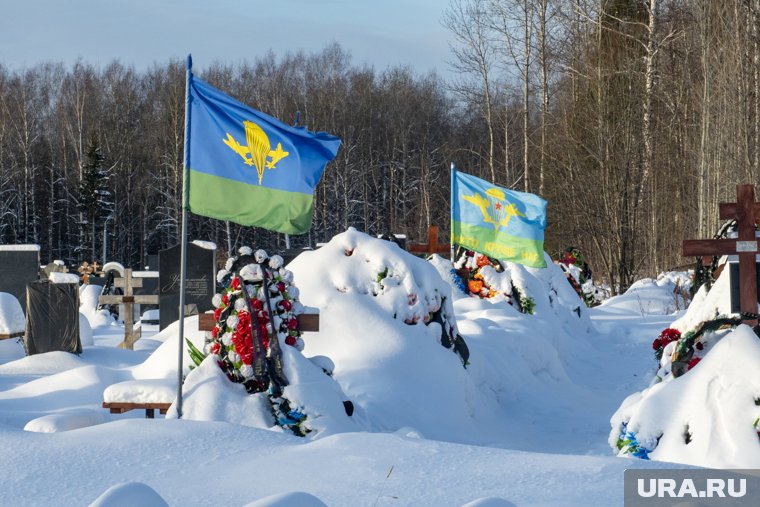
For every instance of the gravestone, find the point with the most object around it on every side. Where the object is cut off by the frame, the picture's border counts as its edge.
(153, 262)
(149, 287)
(19, 265)
(52, 318)
(200, 282)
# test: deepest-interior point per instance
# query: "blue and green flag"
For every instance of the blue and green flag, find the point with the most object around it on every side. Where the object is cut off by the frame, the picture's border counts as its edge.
(247, 167)
(497, 222)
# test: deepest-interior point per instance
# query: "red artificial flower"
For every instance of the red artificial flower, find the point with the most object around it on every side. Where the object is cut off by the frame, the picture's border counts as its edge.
(657, 343)
(281, 286)
(217, 314)
(483, 261)
(215, 332)
(694, 362)
(257, 305)
(670, 335)
(291, 340)
(226, 298)
(236, 283)
(285, 304)
(700, 346)
(215, 348)
(293, 324)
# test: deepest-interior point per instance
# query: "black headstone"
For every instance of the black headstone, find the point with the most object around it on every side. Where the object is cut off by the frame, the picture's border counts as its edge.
(19, 265)
(153, 262)
(733, 276)
(200, 282)
(149, 288)
(52, 317)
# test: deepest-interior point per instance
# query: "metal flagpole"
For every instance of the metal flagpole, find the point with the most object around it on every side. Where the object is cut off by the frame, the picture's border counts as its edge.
(183, 244)
(451, 215)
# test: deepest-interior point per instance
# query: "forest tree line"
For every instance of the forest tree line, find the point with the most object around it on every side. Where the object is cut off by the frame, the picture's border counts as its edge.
(633, 118)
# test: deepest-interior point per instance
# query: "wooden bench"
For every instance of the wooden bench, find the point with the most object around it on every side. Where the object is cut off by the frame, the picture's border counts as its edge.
(12, 335)
(121, 407)
(140, 394)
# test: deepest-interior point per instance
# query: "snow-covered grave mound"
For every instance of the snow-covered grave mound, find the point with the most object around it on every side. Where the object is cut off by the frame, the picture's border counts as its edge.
(665, 295)
(378, 306)
(88, 306)
(12, 320)
(703, 405)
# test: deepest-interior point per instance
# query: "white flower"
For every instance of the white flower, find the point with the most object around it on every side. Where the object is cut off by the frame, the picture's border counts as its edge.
(245, 250)
(252, 273)
(246, 371)
(275, 262)
(260, 256)
(286, 275)
(207, 348)
(277, 321)
(293, 292)
(221, 274)
(251, 290)
(232, 321)
(227, 339)
(233, 356)
(229, 263)
(240, 304)
(297, 308)
(216, 300)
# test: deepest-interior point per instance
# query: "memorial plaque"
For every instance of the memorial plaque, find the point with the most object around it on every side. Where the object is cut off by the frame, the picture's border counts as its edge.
(200, 282)
(19, 265)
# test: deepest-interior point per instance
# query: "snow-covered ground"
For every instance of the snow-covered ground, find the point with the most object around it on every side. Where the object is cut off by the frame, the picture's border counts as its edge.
(525, 423)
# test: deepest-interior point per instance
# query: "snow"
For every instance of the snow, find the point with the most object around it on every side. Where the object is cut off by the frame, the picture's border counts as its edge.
(142, 391)
(19, 248)
(114, 266)
(56, 277)
(524, 423)
(130, 493)
(208, 245)
(12, 319)
(145, 274)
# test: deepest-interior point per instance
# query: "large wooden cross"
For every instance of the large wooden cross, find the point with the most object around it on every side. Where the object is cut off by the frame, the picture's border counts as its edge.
(745, 211)
(432, 246)
(129, 300)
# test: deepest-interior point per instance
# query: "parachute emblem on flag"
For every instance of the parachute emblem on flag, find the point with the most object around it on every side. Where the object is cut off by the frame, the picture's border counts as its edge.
(495, 208)
(258, 147)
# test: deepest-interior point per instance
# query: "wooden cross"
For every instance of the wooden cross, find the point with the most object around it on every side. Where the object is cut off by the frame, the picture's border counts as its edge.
(745, 211)
(129, 300)
(432, 246)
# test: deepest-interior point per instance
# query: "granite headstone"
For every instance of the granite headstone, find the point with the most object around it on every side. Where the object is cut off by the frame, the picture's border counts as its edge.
(200, 282)
(19, 265)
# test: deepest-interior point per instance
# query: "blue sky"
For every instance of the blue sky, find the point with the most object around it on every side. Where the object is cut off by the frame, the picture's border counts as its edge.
(140, 32)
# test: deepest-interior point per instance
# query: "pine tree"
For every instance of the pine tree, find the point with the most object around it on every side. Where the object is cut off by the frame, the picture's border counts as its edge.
(95, 198)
